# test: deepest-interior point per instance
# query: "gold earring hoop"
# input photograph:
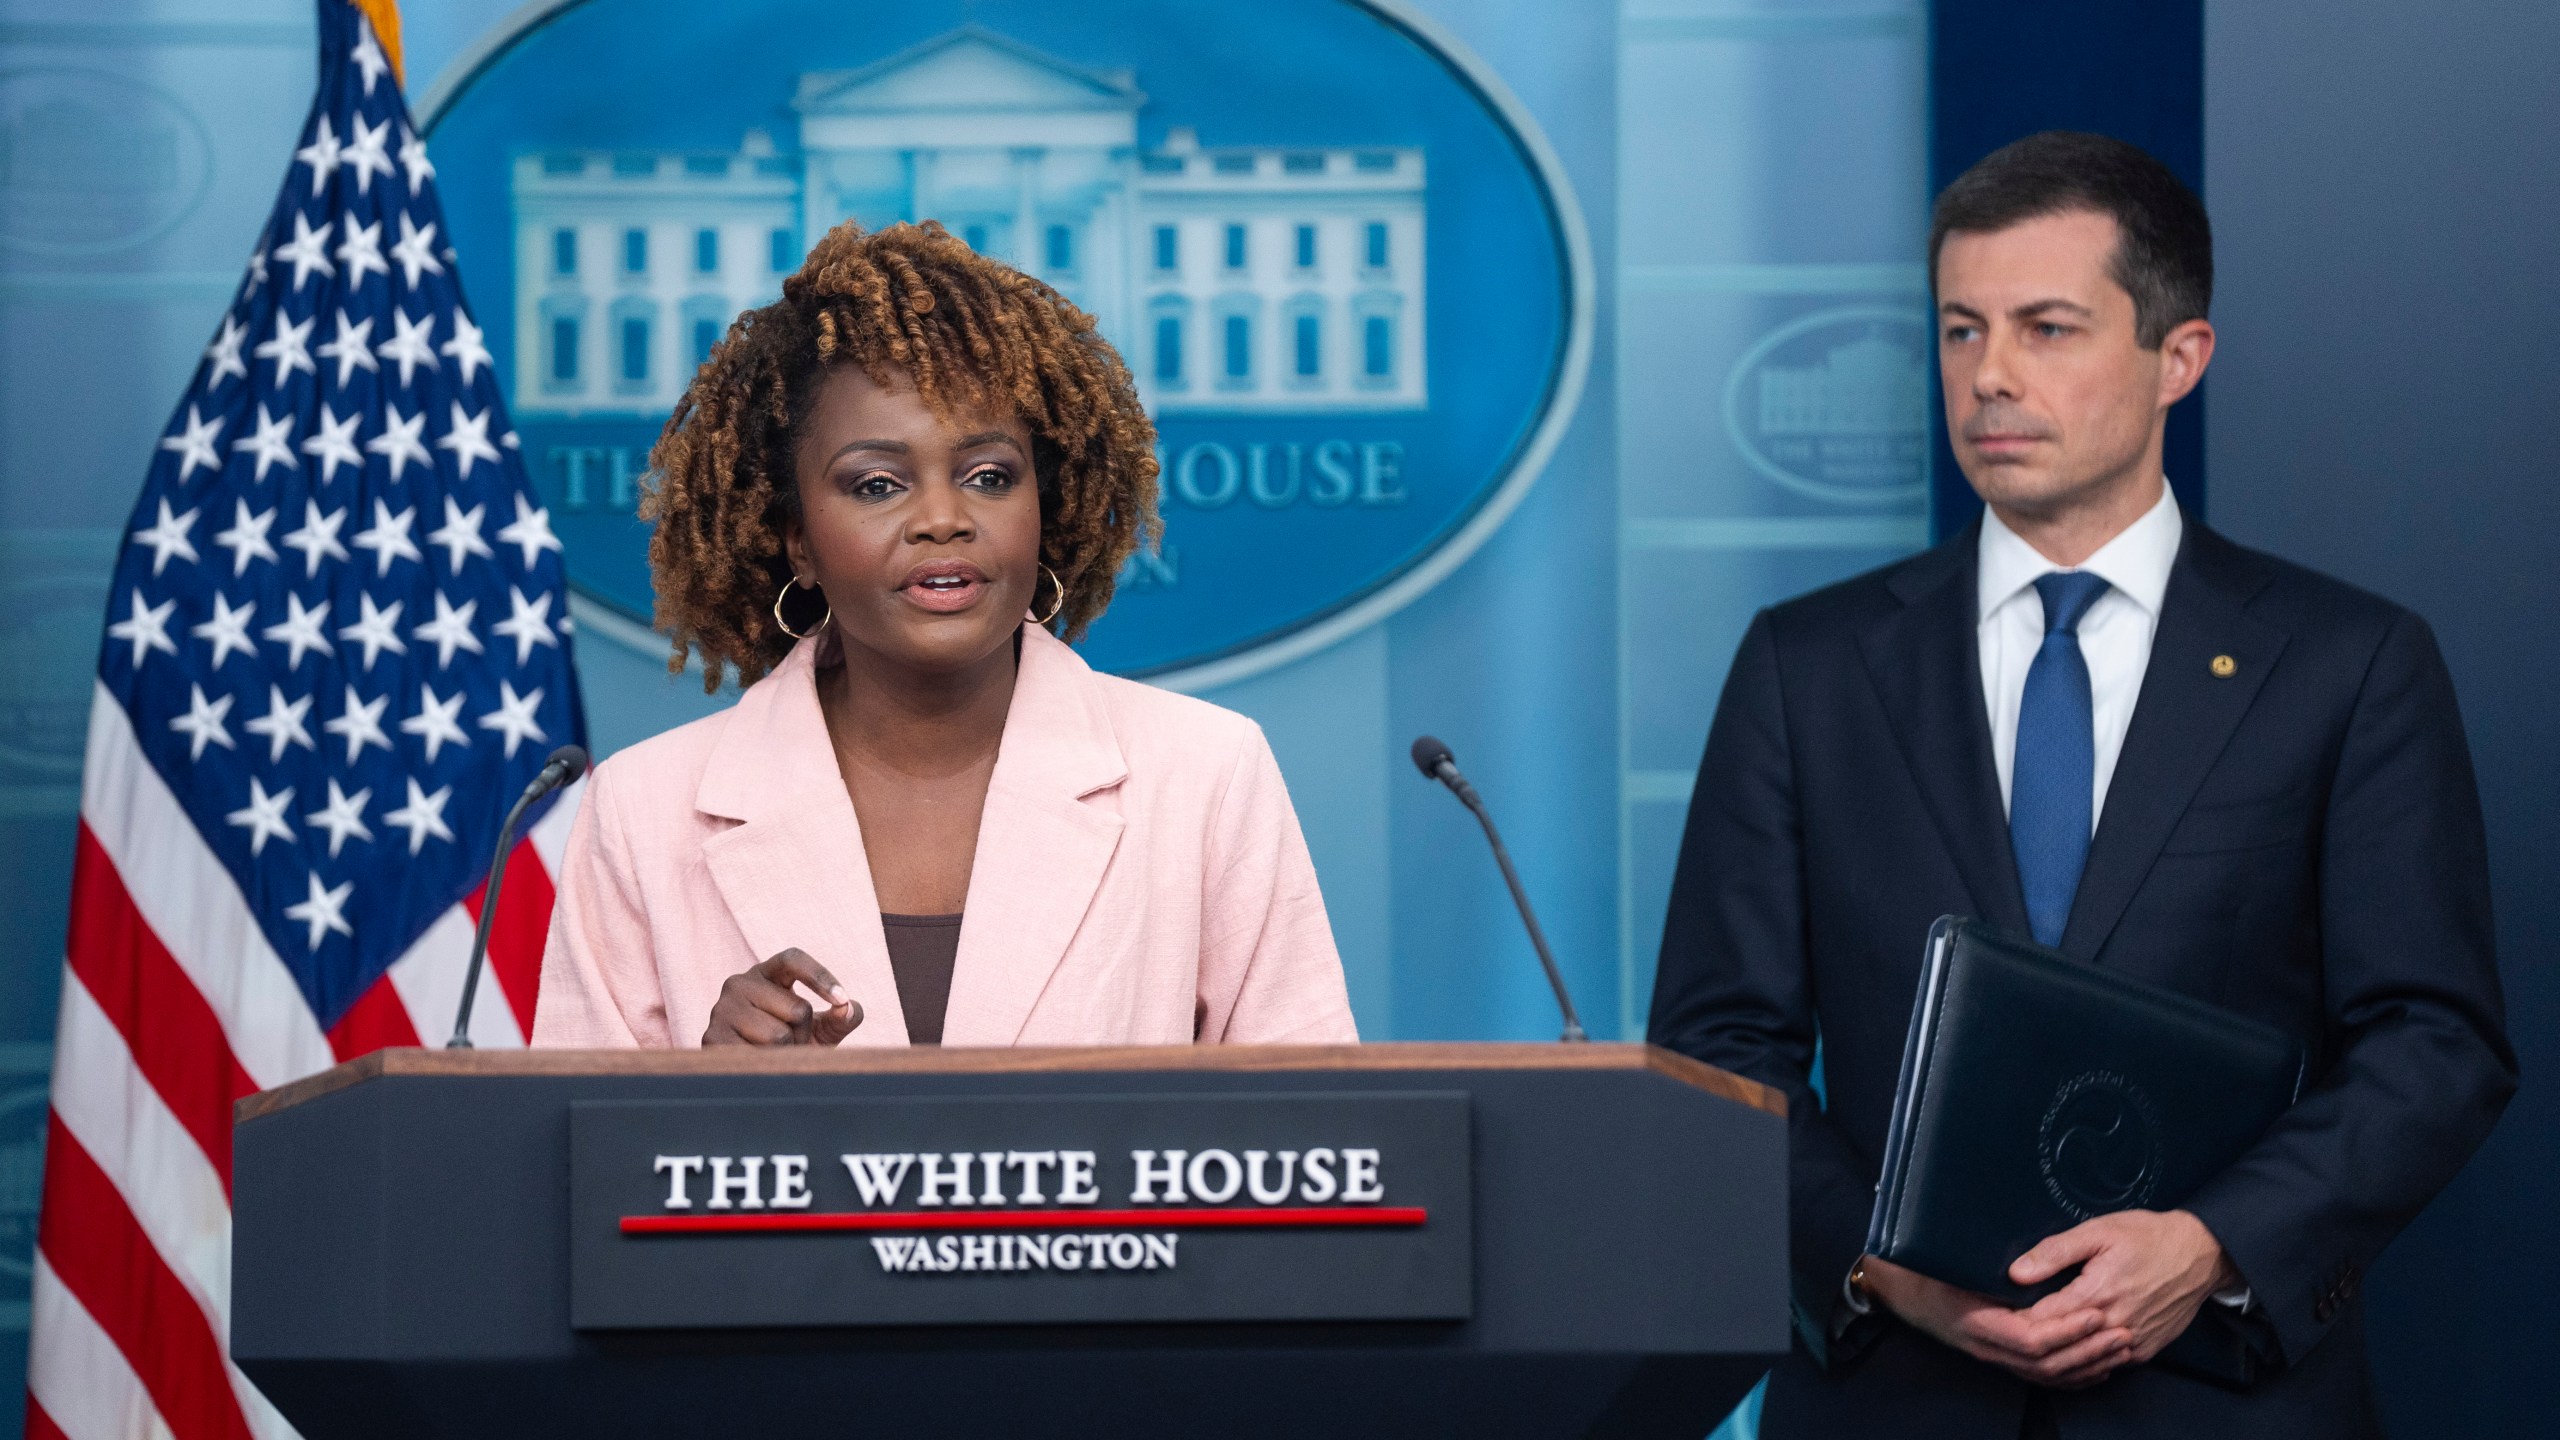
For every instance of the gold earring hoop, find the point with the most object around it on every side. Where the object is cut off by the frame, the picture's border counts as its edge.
(787, 587)
(1056, 605)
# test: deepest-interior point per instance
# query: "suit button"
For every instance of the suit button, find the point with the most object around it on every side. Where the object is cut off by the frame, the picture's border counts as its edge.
(2322, 1309)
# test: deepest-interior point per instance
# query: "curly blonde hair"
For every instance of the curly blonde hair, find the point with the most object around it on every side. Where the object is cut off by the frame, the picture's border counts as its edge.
(907, 300)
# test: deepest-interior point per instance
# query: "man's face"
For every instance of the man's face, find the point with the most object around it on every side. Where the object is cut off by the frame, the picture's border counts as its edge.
(2051, 400)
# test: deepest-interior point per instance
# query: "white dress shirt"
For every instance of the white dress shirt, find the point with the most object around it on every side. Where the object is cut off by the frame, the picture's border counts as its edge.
(2115, 636)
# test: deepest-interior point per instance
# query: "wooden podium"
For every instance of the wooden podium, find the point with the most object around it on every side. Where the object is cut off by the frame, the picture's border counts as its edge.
(1498, 1240)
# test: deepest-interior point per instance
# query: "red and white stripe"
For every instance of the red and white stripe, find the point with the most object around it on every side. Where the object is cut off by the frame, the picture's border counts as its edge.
(173, 1007)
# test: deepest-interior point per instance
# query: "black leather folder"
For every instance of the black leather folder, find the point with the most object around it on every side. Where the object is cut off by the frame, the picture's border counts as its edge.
(2038, 1091)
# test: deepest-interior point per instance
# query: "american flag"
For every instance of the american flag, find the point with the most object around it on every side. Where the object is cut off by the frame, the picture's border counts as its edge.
(337, 648)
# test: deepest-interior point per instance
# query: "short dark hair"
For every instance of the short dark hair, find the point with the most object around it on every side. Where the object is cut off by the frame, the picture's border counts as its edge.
(2164, 253)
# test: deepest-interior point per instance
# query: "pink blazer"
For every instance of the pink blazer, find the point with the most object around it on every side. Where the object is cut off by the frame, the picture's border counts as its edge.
(1140, 877)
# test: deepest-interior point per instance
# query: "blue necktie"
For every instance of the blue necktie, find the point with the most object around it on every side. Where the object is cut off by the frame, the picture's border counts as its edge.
(2055, 775)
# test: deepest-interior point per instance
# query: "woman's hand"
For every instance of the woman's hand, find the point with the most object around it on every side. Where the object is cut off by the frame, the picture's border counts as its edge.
(758, 1006)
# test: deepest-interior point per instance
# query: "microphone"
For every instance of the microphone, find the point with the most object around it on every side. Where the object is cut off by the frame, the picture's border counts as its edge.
(1436, 763)
(566, 764)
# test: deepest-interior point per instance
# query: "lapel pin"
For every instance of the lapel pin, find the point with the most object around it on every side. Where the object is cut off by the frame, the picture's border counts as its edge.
(2224, 667)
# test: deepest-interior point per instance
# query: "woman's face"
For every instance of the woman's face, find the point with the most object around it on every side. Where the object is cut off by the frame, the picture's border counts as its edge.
(923, 529)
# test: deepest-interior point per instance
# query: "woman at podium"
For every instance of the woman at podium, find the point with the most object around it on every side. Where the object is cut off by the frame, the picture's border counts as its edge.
(887, 502)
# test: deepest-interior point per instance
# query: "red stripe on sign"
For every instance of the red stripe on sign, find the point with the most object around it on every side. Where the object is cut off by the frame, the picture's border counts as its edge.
(522, 928)
(108, 1264)
(1361, 1216)
(379, 1020)
(176, 1038)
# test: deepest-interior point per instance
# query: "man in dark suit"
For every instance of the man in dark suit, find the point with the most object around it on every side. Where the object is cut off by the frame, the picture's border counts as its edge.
(2089, 719)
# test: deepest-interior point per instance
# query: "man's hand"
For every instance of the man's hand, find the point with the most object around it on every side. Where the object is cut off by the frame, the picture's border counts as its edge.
(2143, 1275)
(2060, 1347)
(2145, 1272)
(758, 1005)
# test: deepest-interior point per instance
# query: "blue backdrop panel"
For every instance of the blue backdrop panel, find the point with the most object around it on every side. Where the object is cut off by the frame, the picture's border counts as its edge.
(2387, 409)
(1772, 389)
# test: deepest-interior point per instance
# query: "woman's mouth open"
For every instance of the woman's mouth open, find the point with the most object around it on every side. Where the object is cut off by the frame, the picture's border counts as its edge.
(944, 586)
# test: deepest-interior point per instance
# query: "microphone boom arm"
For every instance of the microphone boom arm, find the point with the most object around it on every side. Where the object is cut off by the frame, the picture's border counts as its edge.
(488, 912)
(1437, 764)
(1528, 917)
(566, 764)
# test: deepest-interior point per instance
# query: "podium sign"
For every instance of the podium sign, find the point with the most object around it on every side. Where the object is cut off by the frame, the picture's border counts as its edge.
(1368, 1242)
(1014, 1209)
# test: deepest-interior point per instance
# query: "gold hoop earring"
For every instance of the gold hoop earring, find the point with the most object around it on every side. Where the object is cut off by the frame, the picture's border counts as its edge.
(787, 587)
(1055, 605)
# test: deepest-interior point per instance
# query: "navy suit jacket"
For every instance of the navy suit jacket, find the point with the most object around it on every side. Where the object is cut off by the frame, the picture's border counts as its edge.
(2299, 841)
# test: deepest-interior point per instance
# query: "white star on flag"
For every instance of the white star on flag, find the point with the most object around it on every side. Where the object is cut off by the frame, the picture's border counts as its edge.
(531, 532)
(335, 444)
(450, 630)
(323, 911)
(147, 628)
(368, 155)
(308, 250)
(416, 251)
(468, 439)
(273, 443)
(422, 816)
(360, 724)
(300, 630)
(321, 155)
(413, 159)
(247, 537)
(287, 349)
(514, 716)
(460, 534)
(529, 625)
(352, 348)
(412, 344)
(202, 724)
(375, 629)
(228, 630)
(224, 352)
(318, 537)
(282, 724)
(388, 538)
(468, 352)
(399, 441)
(169, 537)
(362, 249)
(368, 58)
(436, 722)
(341, 817)
(195, 447)
(264, 816)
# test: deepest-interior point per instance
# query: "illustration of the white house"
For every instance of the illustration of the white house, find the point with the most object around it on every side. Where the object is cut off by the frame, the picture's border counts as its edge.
(1235, 279)
(1868, 386)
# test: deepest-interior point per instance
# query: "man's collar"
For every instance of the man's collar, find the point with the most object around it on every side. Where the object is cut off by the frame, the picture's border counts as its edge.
(2137, 561)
